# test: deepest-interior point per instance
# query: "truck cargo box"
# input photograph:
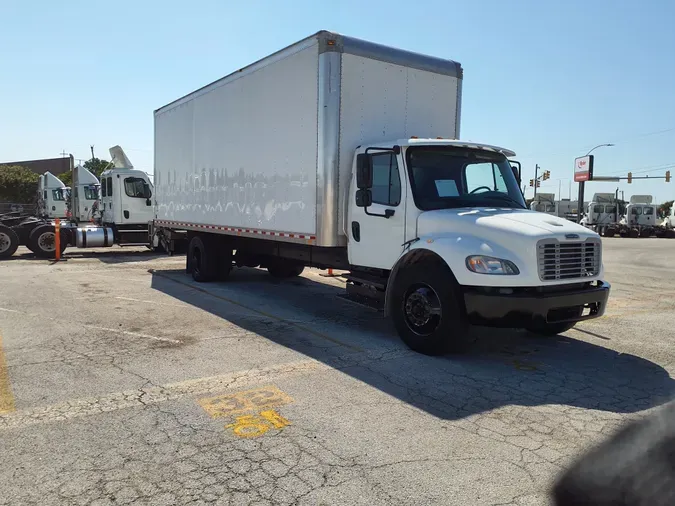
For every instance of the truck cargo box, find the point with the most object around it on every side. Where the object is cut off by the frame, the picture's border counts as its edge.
(267, 150)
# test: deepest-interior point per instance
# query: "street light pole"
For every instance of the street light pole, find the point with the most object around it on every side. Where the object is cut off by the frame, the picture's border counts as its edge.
(580, 204)
(536, 170)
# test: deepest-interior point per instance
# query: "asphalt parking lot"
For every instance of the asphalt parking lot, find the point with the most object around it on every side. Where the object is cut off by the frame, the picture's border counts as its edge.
(124, 382)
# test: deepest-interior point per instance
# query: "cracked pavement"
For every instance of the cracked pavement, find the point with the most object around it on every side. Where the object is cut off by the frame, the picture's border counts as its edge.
(108, 354)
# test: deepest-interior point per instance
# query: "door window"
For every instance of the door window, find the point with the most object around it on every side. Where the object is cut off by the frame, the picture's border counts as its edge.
(133, 186)
(386, 180)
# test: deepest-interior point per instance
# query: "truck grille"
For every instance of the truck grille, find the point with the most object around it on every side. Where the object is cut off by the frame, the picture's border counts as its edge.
(568, 260)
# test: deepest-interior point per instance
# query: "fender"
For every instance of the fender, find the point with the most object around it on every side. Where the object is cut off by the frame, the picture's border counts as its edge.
(453, 249)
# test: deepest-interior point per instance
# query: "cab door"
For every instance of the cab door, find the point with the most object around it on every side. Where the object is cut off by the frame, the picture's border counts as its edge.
(377, 232)
(136, 203)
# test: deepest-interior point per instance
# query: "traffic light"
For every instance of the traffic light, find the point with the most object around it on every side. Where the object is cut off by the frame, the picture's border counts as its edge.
(538, 183)
(531, 182)
(547, 175)
(667, 176)
(630, 177)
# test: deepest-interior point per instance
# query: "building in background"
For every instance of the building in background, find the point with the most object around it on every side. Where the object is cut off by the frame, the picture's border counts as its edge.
(56, 166)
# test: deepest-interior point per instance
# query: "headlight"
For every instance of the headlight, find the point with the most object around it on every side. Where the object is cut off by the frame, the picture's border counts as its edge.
(482, 264)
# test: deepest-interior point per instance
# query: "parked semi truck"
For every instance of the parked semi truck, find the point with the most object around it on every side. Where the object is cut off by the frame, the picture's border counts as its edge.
(52, 197)
(340, 153)
(54, 200)
(609, 216)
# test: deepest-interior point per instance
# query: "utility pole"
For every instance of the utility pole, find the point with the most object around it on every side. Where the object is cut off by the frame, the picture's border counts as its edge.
(536, 169)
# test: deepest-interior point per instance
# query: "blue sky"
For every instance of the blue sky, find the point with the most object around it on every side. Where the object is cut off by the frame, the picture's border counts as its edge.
(547, 79)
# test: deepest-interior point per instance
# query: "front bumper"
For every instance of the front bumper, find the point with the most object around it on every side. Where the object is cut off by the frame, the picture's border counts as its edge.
(523, 307)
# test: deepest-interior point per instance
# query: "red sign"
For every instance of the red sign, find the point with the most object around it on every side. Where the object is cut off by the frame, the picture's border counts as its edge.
(583, 168)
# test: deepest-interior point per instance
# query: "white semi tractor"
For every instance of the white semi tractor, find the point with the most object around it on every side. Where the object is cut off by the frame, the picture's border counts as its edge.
(609, 216)
(340, 153)
(52, 197)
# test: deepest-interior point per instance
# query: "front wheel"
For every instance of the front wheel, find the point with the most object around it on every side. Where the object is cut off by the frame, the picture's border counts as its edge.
(427, 309)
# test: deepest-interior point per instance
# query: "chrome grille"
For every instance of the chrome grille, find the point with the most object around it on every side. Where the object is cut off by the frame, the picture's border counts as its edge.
(568, 260)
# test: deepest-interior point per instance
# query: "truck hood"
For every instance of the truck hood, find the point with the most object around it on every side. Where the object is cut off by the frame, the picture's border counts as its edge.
(499, 224)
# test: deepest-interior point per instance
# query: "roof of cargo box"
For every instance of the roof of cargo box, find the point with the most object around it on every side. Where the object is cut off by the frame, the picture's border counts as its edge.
(334, 42)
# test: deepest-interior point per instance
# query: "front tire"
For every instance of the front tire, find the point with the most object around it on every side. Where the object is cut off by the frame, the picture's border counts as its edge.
(427, 309)
(9, 242)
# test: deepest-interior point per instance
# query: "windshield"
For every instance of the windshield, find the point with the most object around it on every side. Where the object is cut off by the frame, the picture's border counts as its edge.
(446, 177)
(59, 194)
(91, 192)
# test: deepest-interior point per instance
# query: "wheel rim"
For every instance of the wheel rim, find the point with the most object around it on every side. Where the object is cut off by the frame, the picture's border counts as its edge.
(47, 242)
(5, 242)
(422, 309)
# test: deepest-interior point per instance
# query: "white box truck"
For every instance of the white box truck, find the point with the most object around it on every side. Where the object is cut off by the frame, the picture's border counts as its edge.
(340, 153)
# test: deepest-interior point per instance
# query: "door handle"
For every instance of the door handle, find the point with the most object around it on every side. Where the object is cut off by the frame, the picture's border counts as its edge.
(356, 231)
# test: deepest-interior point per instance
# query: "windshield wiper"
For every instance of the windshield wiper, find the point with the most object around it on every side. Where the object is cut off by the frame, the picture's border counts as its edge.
(503, 196)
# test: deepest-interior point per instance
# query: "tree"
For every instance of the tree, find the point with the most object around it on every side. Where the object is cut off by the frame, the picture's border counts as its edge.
(18, 184)
(95, 166)
(664, 209)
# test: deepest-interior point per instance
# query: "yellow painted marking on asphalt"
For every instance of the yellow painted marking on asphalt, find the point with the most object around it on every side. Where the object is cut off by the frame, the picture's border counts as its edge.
(78, 408)
(248, 400)
(256, 425)
(6, 397)
(262, 313)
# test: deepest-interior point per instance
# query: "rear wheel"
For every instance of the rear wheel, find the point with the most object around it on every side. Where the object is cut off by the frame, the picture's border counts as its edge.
(9, 242)
(42, 241)
(209, 258)
(427, 309)
(283, 269)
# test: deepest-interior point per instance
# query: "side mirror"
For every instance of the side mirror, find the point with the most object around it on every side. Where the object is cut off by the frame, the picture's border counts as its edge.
(364, 172)
(147, 193)
(364, 198)
(516, 173)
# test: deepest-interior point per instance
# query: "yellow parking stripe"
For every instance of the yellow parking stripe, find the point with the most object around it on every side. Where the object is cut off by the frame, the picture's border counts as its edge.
(6, 397)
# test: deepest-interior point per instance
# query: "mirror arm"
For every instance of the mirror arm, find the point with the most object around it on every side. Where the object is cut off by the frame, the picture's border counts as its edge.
(388, 213)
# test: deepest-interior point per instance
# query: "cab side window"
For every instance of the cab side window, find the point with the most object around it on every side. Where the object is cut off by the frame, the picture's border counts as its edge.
(133, 186)
(109, 184)
(386, 180)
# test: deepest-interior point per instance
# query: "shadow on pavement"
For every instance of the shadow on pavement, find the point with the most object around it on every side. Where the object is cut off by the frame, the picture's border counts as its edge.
(504, 367)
